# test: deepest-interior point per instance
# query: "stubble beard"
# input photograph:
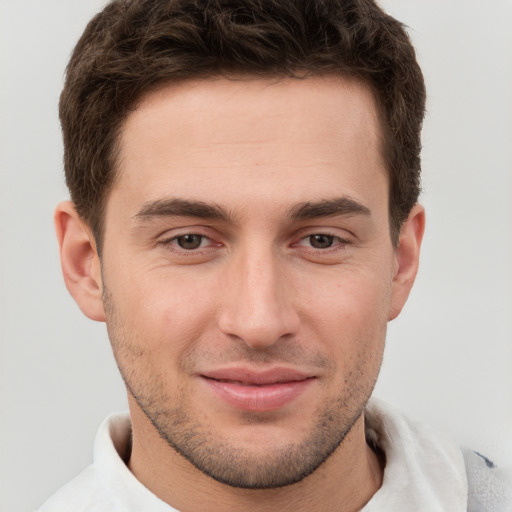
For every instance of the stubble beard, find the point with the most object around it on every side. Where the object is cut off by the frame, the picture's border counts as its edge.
(212, 452)
(214, 455)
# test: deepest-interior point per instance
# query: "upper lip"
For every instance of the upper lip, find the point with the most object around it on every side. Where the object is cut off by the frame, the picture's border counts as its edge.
(256, 377)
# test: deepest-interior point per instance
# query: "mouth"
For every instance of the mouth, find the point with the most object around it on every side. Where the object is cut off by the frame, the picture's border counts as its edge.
(252, 383)
(257, 391)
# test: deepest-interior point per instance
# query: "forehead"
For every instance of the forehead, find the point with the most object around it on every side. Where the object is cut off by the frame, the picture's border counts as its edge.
(251, 140)
(208, 109)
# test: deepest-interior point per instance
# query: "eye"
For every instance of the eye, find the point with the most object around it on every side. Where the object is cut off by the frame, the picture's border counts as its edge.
(321, 241)
(190, 242)
(323, 247)
(190, 248)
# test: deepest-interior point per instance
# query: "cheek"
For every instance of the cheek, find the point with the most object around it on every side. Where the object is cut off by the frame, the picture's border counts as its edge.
(351, 315)
(161, 315)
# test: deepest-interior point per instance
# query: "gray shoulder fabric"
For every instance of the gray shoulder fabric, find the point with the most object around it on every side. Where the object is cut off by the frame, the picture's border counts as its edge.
(489, 488)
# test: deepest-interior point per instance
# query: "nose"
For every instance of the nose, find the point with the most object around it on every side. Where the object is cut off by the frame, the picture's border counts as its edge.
(257, 305)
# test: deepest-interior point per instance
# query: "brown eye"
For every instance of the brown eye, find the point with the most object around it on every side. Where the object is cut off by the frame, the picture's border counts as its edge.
(321, 241)
(190, 242)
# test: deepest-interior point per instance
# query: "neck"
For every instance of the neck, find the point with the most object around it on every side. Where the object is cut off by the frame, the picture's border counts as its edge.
(345, 482)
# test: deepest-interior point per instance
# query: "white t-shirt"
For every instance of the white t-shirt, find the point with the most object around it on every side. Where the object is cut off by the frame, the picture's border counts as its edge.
(425, 472)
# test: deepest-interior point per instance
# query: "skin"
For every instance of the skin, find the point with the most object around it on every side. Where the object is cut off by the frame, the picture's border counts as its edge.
(266, 283)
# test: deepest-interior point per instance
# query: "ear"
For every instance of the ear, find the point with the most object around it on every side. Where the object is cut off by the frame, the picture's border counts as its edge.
(407, 256)
(80, 262)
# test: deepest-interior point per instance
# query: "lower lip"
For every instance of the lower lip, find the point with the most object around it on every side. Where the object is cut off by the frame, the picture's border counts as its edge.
(258, 398)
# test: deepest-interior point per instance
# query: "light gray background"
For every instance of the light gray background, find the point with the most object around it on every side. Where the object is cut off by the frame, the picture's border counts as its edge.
(449, 356)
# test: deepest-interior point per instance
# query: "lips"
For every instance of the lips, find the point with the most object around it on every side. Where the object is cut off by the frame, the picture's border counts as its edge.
(257, 391)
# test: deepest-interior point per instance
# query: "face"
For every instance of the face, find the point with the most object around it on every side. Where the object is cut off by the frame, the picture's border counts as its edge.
(247, 270)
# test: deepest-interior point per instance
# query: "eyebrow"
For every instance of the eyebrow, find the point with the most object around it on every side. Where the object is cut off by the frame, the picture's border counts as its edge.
(180, 208)
(303, 211)
(328, 208)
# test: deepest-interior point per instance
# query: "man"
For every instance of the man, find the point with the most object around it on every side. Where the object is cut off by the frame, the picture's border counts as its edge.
(244, 180)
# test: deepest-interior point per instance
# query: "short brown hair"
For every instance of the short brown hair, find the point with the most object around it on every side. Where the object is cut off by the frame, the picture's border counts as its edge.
(133, 46)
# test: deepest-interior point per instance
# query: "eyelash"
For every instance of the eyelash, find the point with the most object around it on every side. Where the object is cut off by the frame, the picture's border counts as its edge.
(336, 243)
(171, 244)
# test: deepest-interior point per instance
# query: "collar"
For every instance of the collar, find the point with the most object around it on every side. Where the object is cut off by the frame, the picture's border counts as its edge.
(424, 469)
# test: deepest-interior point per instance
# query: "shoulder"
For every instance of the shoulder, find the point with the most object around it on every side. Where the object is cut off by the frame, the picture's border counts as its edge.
(430, 470)
(82, 494)
(489, 486)
(91, 490)
(424, 469)
(107, 485)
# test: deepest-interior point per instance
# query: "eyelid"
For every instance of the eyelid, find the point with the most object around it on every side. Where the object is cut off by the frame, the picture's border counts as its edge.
(176, 232)
(173, 238)
(203, 239)
(168, 239)
(343, 235)
(338, 241)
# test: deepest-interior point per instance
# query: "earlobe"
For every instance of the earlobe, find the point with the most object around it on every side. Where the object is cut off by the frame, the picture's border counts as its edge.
(407, 259)
(79, 260)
